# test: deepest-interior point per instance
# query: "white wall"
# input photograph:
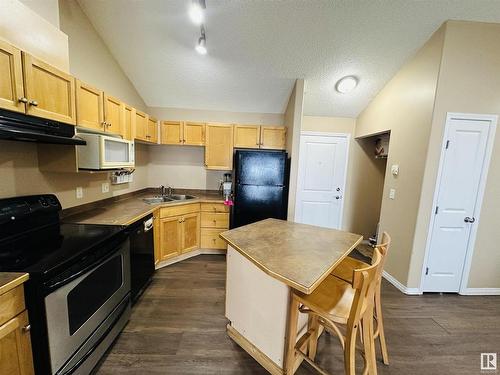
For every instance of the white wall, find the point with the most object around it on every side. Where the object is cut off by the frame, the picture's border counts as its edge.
(48, 9)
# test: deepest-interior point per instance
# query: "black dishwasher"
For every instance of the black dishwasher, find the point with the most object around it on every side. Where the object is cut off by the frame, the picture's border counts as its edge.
(142, 262)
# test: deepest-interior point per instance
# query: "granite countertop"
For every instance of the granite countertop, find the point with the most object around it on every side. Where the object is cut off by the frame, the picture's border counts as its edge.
(299, 255)
(128, 210)
(9, 280)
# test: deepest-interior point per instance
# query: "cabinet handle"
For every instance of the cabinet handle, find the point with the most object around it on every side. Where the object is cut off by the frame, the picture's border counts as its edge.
(34, 103)
(23, 100)
(26, 328)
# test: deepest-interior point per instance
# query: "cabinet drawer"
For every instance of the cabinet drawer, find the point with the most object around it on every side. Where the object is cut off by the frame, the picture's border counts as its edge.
(11, 303)
(210, 239)
(179, 210)
(214, 220)
(214, 207)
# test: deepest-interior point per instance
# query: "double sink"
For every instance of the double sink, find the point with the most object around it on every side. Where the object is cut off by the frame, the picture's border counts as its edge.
(168, 198)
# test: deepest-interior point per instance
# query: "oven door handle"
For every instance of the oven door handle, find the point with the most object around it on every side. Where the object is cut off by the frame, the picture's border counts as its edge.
(52, 285)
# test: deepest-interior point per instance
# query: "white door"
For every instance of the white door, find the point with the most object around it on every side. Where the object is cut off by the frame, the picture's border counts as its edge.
(321, 180)
(464, 159)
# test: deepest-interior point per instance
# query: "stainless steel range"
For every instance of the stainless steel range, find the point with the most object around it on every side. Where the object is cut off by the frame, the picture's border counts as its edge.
(78, 295)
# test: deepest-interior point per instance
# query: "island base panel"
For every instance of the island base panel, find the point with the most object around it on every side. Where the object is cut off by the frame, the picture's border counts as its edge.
(257, 308)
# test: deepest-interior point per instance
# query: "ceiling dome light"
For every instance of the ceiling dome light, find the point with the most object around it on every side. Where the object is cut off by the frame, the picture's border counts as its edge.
(346, 84)
(201, 47)
(196, 11)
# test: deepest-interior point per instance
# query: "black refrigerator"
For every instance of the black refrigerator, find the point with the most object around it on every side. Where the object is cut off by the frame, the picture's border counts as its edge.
(260, 186)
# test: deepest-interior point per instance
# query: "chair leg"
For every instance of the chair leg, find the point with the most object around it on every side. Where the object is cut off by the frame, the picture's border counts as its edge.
(293, 316)
(350, 352)
(369, 344)
(313, 341)
(380, 327)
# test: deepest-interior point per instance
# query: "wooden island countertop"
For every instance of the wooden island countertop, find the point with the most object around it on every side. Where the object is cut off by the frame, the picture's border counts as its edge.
(298, 255)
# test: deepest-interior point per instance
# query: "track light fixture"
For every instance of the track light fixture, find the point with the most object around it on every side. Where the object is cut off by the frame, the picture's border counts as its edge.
(201, 47)
(196, 11)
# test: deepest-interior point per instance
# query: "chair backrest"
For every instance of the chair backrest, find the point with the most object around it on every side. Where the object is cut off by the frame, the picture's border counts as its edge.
(365, 281)
(383, 247)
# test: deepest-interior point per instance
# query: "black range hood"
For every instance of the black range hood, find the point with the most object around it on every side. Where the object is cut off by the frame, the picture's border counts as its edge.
(20, 127)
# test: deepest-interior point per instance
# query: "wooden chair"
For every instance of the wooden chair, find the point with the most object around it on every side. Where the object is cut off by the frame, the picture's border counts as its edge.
(345, 270)
(336, 302)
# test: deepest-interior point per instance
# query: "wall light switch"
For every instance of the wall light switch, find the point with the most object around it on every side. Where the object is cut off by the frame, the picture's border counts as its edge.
(105, 187)
(392, 193)
(79, 192)
(395, 170)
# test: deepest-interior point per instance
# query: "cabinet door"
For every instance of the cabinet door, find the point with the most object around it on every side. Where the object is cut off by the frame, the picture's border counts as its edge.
(128, 118)
(190, 232)
(113, 114)
(194, 133)
(50, 92)
(171, 132)
(219, 146)
(89, 106)
(210, 239)
(157, 236)
(141, 125)
(152, 135)
(11, 78)
(273, 137)
(15, 346)
(170, 237)
(246, 136)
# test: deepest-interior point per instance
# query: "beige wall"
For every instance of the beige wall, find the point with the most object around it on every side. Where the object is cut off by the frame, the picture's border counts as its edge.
(293, 122)
(48, 9)
(90, 59)
(404, 107)
(186, 114)
(469, 82)
(20, 176)
(41, 39)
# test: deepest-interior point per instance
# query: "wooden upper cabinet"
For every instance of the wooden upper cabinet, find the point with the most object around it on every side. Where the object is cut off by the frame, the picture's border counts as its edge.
(11, 79)
(89, 106)
(50, 92)
(190, 232)
(141, 126)
(152, 131)
(171, 132)
(219, 146)
(273, 137)
(113, 114)
(246, 136)
(128, 118)
(193, 133)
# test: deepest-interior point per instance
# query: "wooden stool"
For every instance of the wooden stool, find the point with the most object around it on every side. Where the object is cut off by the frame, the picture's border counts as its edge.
(336, 302)
(345, 270)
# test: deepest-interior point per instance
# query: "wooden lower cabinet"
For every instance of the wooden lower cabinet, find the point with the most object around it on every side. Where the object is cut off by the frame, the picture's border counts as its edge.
(214, 220)
(190, 232)
(170, 237)
(210, 238)
(15, 340)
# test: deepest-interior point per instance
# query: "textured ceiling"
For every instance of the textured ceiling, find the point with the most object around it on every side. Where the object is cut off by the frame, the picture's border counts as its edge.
(256, 49)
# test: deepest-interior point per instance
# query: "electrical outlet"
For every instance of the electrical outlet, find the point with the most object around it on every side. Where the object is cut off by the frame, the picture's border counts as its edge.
(392, 193)
(79, 192)
(105, 187)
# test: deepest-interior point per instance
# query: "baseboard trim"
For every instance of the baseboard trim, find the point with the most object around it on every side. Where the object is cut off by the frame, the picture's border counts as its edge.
(402, 288)
(481, 292)
(191, 254)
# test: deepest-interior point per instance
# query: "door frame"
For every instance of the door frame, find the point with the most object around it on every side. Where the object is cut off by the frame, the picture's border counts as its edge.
(347, 137)
(480, 194)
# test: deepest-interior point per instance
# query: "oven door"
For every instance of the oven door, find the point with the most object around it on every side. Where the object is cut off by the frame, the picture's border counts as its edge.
(77, 308)
(116, 153)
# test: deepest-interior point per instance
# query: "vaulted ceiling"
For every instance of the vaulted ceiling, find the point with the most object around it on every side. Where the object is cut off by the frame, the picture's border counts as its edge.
(256, 49)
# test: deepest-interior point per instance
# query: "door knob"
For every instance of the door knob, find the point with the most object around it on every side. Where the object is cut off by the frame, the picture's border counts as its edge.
(338, 189)
(34, 103)
(338, 197)
(469, 219)
(23, 100)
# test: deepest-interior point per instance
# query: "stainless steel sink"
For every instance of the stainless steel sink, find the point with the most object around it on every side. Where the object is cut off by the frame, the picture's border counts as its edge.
(181, 197)
(155, 200)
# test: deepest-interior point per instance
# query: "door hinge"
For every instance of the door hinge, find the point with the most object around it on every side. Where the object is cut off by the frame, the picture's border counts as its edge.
(447, 144)
(436, 210)
(426, 271)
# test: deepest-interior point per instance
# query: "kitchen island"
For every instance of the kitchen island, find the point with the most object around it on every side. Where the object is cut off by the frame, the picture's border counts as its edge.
(265, 262)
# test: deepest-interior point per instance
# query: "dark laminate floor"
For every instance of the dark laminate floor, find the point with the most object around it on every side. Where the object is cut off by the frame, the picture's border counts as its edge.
(178, 327)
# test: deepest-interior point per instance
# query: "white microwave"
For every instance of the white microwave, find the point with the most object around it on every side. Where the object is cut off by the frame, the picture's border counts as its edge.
(105, 152)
